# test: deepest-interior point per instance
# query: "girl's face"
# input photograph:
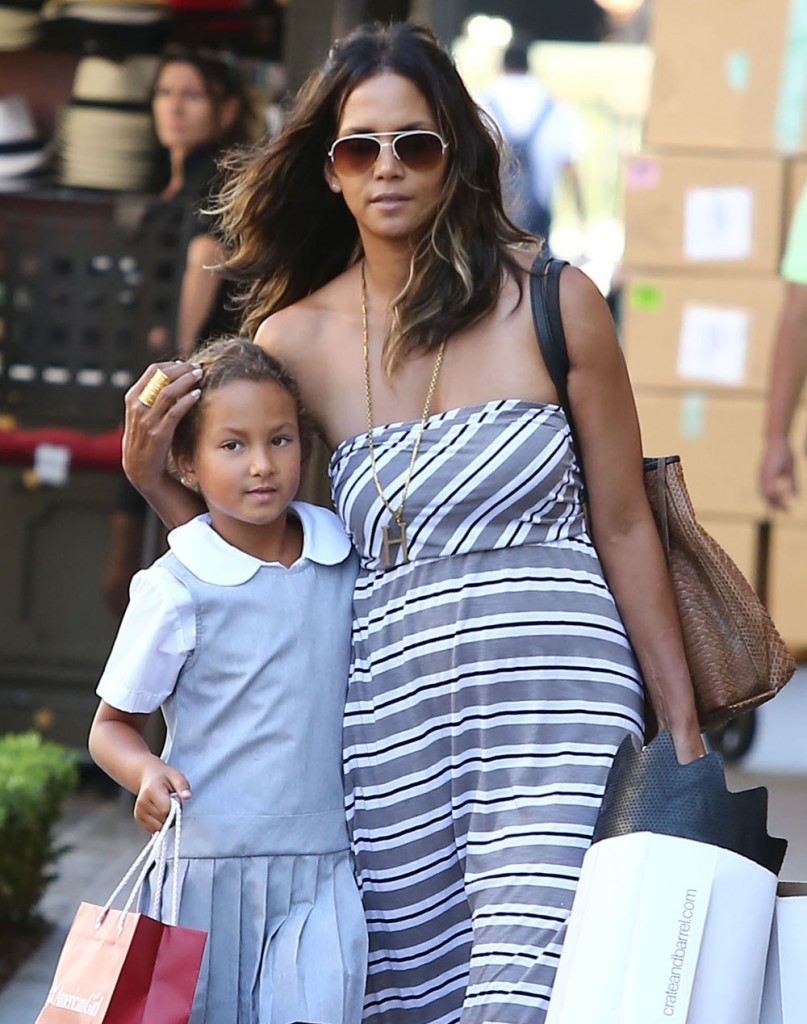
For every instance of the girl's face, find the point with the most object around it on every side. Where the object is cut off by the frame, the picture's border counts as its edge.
(185, 115)
(246, 461)
(388, 198)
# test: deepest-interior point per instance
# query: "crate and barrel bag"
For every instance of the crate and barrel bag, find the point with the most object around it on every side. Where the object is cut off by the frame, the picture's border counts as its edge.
(736, 657)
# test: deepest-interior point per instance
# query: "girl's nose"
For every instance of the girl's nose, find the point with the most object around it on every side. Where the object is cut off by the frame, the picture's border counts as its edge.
(261, 463)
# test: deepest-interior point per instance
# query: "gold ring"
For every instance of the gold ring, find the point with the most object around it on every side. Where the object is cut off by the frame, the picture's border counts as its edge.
(154, 386)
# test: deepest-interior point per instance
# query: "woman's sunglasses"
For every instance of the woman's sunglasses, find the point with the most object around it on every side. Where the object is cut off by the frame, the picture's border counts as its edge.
(419, 150)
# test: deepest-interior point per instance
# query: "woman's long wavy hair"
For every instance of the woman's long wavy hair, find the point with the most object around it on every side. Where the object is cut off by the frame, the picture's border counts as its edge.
(287, 234)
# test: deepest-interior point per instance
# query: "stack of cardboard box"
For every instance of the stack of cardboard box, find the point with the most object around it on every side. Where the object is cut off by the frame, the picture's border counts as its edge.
(707, 206)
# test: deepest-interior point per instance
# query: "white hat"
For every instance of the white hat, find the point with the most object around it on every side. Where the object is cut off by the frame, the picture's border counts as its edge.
(19, 26)
(21, 149)
(105, 134)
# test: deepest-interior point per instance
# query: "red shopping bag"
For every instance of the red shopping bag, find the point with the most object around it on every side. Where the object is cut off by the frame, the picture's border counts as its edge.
(123, 967)
(144, 972)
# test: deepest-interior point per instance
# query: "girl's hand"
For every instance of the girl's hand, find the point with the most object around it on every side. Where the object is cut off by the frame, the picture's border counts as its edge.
(148, 431)
(158, 782)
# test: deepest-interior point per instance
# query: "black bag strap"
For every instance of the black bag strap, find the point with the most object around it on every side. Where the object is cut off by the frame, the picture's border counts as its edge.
(545, 299)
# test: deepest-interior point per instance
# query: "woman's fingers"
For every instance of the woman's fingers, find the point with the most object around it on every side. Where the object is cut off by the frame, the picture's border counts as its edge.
(181, 377)
(149, 426)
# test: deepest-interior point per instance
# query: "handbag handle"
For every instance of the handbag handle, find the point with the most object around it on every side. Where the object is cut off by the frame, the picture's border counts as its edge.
(154, 852)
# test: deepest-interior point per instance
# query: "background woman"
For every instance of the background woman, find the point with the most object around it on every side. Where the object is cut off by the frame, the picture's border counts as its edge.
(199, 106)
(492, 676)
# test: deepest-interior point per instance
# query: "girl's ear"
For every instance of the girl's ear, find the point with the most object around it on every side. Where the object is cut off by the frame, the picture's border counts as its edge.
(184, 464)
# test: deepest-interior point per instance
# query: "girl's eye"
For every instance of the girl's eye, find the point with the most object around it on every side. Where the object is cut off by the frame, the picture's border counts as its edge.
(280, 442)
(231, 446)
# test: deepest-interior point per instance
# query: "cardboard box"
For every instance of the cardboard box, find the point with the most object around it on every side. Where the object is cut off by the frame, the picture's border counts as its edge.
(729, 74)
(710, 213)
(787, 583)
(719, 439)
(686, 330)
(739, 538)
(795, 180)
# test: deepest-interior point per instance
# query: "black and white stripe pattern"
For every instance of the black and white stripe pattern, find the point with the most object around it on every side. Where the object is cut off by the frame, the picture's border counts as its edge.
(491, 684)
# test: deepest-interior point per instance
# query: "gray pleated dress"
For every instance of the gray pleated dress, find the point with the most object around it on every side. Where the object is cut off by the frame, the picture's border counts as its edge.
(255, 722)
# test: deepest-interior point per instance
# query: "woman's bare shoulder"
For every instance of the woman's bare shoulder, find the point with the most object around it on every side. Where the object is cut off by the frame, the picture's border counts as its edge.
(299, 328)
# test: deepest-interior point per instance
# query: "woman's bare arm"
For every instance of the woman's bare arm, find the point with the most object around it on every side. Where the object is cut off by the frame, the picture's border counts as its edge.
(622, 524)
(199, 290)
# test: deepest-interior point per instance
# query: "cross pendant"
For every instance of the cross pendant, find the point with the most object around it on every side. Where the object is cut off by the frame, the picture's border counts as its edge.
(391, 542)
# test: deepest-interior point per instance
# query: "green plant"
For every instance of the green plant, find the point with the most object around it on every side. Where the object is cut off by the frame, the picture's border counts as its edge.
(35, 777)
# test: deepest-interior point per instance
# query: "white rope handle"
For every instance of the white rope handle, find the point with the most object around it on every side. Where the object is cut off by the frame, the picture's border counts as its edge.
(153, 852)
(159, 878)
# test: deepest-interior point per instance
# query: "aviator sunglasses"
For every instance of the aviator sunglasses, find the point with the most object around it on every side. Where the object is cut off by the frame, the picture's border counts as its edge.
(418, 149)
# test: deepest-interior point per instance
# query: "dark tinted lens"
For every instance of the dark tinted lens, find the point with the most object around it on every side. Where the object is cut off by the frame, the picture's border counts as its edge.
(354, 156)
(420, 151)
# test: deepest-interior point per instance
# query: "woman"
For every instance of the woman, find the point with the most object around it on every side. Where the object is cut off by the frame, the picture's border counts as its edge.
(199, 106)
(492, 678)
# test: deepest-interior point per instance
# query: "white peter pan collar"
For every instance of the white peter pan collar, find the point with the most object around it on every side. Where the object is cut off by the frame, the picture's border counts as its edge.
(209, 557)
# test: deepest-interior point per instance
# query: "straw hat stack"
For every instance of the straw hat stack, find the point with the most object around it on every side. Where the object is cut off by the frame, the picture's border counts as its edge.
(105, 137)
(20, 22)
(108, 26)
(23, 154)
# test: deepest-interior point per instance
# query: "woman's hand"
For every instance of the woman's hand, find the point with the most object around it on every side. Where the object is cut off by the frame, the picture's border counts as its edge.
(688, 744)
(149, 430)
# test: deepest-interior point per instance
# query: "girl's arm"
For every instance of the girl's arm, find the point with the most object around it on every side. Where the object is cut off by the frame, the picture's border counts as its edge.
(117, 746)
(622, 524)
(147, 439)
(155, 637)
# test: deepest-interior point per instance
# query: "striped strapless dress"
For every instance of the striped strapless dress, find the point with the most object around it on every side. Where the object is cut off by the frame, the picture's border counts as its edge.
(491, 683)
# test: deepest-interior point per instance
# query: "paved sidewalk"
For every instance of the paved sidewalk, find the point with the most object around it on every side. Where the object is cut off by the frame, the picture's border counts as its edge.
(104, 840)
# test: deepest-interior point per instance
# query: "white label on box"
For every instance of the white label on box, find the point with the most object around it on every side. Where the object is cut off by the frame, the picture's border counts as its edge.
(52, 464)
(718, 223)
(713, 344)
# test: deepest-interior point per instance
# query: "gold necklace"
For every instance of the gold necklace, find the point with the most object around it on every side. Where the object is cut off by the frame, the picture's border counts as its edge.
(390, 541)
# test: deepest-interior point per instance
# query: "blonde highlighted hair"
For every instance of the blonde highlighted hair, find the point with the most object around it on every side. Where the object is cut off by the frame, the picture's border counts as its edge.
(287, 234)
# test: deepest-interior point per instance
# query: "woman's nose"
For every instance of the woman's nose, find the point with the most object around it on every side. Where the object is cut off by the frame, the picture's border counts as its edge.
(387, 163)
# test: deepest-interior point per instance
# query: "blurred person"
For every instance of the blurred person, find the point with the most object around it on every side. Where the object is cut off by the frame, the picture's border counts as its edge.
(777, 478)
(545, 141)
(200, 107)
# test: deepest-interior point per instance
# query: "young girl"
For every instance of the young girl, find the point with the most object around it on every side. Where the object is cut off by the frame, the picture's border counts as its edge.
(241, 635)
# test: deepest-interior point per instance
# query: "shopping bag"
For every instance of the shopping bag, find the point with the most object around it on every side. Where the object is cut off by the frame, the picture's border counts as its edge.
(665, 926)
(784, 997)
(125, 967)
